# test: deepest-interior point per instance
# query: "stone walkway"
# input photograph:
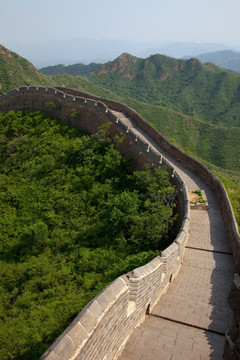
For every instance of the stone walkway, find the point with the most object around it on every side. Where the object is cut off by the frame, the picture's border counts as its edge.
(190, 319)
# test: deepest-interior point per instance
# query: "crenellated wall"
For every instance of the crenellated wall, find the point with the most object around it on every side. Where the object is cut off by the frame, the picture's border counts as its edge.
(101, 329)
(187, 161)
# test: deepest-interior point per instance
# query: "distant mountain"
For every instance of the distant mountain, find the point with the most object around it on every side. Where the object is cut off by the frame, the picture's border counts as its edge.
(227, 59)
(188, 86)
(72, 51)
(183, 49)
(16, 71)
(76, 69)
(82, 50)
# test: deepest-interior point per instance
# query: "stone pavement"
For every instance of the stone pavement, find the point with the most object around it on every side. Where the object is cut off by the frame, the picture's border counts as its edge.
(190, 319)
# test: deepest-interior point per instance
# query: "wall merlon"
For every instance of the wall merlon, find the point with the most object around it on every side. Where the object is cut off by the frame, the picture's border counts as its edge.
(69, 98)
(101, 106)
(170, 250)
(32, 88)
(150, 267)
(91, 103)
(110, 294)
(111, 116)
(177, 179)
(79, 100)
(121, 283)
(131, 134)
(139, 273)
(168, 165)
(96, 310)
(52, 90)
(23, 89)
(157, 262)
(50, 355)
(124, 279)
(142, 145)
(42, 89)
(185, 225)
(78, 334)
(13, 92)
(88, 321)
(121, 125)
(154, 156)
(181, 238)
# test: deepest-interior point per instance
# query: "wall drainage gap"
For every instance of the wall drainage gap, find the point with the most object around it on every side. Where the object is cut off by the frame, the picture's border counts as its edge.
(189, 325)
(213, 251)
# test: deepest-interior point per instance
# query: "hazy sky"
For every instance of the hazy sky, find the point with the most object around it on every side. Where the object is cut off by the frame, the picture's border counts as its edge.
(137, 20)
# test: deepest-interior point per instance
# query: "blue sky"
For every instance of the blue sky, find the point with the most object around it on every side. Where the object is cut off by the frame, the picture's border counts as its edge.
(138, 20)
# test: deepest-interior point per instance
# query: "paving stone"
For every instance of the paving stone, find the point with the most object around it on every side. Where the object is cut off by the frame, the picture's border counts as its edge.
(198, 295)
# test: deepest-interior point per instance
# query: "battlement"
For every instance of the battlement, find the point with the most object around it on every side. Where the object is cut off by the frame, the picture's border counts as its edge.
(102, 328)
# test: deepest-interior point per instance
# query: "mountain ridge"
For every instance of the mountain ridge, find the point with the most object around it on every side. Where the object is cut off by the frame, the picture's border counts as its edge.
(226, 59)
(162, 69)
(87, 50)
(75, 69)
(205, 90)
(216, 146)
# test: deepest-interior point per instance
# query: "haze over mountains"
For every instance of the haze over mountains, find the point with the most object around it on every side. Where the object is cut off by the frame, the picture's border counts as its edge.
(70, 51)
(201, 90)
(227, 59)
(195, 105)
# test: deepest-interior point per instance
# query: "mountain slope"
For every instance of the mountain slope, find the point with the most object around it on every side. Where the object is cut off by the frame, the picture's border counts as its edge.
(201, 90)
(16, 71)
(212, 144)
(215, 144)
(75, 69)
(227, 59)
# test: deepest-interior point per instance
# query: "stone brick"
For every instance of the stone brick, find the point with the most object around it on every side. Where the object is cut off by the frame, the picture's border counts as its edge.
(49, 355)
(189, 291)
(88, 321)
(65, 348)
(77, 334)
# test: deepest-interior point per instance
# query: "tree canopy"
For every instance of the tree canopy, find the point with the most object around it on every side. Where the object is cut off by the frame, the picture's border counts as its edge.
(74, 216)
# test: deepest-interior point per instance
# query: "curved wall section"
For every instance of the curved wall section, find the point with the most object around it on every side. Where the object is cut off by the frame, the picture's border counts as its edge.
(101, 329)
(187, 161)
(103, 326)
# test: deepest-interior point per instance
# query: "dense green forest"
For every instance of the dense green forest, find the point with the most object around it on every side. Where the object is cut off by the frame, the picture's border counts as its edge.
(204, 91)
(214, 144)
(227, 59)
(74, 216)
(162, 83)
(75, 69)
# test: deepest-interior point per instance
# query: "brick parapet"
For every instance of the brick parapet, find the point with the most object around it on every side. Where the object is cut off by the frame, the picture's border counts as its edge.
(103, 326)
(187, 161)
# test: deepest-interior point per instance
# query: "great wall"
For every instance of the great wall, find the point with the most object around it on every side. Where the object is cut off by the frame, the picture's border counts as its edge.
(174, 307)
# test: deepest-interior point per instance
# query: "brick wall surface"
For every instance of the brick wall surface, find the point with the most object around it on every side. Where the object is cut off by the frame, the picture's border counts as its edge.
(101, 329)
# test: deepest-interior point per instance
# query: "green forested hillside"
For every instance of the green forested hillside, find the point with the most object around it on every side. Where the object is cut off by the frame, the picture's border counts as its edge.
(73, 218)
(227, 59)
(214, 144)
(75, 69)
(200, 90)
(154, 87)
(16, 71)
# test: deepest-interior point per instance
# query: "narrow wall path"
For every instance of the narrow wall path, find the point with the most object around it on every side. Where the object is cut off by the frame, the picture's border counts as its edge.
(190, 319)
